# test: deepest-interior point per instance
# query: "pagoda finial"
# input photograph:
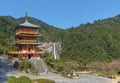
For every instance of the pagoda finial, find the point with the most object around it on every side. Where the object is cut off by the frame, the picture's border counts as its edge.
(26, 15)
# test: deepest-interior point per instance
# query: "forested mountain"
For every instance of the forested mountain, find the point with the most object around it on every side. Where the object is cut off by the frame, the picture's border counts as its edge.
(98, 41)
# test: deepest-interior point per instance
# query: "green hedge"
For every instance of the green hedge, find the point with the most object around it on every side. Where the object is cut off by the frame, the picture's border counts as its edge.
(43, 81)
(24, 79)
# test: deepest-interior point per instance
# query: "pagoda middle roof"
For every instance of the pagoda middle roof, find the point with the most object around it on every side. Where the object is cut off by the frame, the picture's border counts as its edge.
(27, 24)
(28, 43)
(29, 35)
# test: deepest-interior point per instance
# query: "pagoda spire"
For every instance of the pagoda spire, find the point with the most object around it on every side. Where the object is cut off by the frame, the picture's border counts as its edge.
(26, 15)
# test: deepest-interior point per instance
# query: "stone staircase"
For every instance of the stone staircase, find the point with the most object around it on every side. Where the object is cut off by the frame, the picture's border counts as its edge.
(39, 65)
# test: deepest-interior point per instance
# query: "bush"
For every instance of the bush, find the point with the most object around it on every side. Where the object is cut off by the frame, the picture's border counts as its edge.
(43, 81)
(24, 65)
(12, 79)
(20, 57)
(32, 69)
(22, 79)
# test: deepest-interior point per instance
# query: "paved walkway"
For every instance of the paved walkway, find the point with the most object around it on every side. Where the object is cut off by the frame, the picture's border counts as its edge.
(59, 79)
(8, 70)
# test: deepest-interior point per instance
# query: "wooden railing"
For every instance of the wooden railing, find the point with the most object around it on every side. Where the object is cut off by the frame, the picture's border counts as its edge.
(27, 41)
(19, 52)
(27, 32)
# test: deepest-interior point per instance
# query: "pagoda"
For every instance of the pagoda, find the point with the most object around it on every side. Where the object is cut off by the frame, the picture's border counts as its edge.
(26, 40)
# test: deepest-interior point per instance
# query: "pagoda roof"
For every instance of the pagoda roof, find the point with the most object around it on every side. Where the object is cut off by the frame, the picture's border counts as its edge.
(29, 35)
(22, 43)
(28, 24)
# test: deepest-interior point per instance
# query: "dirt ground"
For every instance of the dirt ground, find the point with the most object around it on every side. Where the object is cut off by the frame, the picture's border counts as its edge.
(116, 80)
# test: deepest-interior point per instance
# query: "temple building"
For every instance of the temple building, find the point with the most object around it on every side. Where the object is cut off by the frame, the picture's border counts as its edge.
(26, 40)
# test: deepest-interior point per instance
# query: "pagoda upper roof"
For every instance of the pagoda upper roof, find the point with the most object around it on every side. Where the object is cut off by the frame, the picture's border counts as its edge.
(29, 35)
(28, 24)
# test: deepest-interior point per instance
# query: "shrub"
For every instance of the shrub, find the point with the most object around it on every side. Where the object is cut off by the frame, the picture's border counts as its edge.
(43, 81)
(24, 65)
(22, 79)
(12, 79)
(20, 57)
(32, 69)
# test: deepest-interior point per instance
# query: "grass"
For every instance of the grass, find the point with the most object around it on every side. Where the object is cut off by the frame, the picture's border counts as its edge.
(24, 79)
(42, 81)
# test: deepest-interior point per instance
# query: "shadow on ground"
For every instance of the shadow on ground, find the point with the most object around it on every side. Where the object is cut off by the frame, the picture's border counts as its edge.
(5, 69)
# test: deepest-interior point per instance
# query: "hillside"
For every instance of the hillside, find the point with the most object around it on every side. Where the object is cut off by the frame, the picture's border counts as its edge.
(7, 32)
(98, 41)
(93, 42)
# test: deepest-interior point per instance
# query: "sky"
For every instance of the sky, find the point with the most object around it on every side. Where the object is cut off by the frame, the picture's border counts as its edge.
(61, 13)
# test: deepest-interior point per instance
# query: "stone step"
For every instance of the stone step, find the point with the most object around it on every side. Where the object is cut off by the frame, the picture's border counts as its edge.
(39, 65)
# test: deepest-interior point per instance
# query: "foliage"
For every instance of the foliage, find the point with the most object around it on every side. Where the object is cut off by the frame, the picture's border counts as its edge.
(93, 42)
(62, 66)
(20, 57)
(98, 41)
(24, 79)
(55, 64)
(111, 75)
(12, 79)
(43, 81)
(25, 66)
(32, 69)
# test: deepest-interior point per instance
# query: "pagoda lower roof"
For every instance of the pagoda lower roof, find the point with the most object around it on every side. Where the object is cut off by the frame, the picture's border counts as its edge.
(23, 43)
(17, 52)
(29, 35)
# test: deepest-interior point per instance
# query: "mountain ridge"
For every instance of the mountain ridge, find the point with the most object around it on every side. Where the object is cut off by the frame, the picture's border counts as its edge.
(98, 41)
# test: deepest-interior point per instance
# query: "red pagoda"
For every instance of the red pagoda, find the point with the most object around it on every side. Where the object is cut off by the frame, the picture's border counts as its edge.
(26, 40)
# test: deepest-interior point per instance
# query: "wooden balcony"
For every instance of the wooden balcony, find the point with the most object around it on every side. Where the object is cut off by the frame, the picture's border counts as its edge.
(27, 32)
(26, 53)
(32, 41)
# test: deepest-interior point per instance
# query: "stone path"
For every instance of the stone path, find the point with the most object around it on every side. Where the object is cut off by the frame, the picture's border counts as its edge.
(8, 70)
(59, 79)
